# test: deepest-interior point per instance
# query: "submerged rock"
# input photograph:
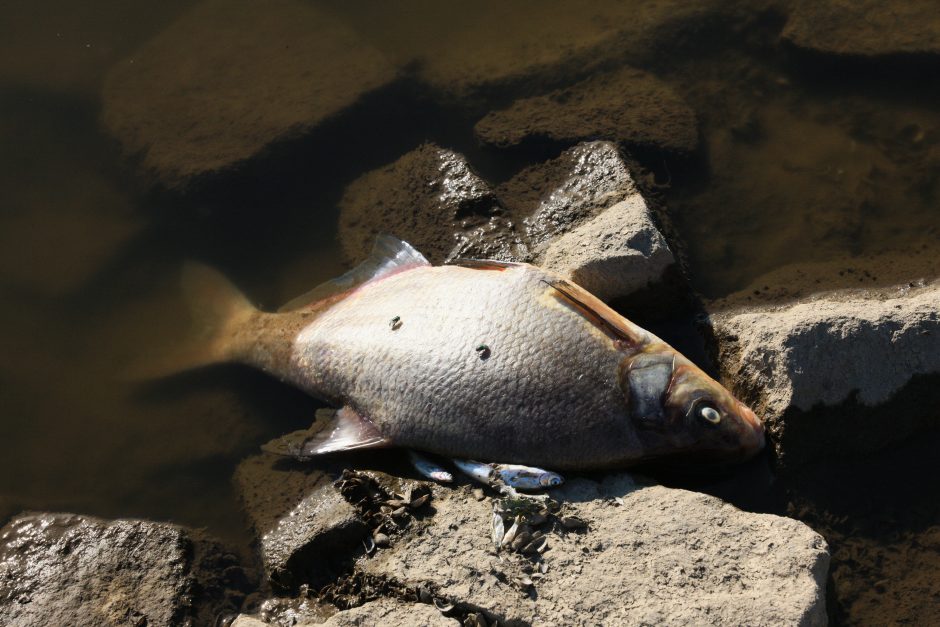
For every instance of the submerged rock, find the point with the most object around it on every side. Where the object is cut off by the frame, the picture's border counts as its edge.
(225, 81)
(649, 555)
(865, 28)
(552, 214)
(66, 569)
(628, 106)
(862, 346)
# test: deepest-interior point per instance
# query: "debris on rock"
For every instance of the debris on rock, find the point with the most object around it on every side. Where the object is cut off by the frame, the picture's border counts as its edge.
(664, 556)
(182, 102)
(67, 569)
(627, 106)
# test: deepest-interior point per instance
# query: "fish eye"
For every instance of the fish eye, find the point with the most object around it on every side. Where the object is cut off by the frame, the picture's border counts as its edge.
(708, 413)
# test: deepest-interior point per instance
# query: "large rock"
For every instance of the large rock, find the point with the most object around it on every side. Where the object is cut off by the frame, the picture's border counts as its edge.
(865, 28)
(650, 555)
(628, 106)
(857, 346)
(66, 569)
(226, 80)
(554, 214)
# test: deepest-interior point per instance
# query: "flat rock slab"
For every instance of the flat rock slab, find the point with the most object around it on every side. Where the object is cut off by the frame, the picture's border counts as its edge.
(628, 106)
(865, 28)
(227, 80)
(823, 350)
(66, 569)
(552, 214)
(650, 555)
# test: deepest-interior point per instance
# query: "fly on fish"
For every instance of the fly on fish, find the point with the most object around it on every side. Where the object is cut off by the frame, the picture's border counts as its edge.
(488, 360)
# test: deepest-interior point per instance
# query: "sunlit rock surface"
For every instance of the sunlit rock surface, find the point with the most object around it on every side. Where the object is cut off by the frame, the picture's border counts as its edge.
(650, 555)
(225, 81)
(861, 345)
(628, 106)
(554, 214)
(865, 28)
(66, 569)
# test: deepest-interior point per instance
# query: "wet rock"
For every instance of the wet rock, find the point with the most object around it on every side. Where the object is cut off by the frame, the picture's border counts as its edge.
(66, 569)
(628, 106)
(305, 528)
(432, 198)
(865, 28)
(650, 555)
(552, 214)
(225, 81)
(858, 346)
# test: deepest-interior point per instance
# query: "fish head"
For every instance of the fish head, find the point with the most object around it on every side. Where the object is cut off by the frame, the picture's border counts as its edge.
(678, 410)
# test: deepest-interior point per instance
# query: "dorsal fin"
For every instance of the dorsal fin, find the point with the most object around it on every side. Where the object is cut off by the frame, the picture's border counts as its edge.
(599, 313)
(389, 255)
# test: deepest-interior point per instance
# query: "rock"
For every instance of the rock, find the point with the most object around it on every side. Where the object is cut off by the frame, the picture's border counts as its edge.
(305, 528)
(865, 28)
(391, 612)
(617, 253)
(650, 555)
(862, 346)
(224, 82)
(628, 106)
(551, 214)
(552, 198)
(433, 199)
(522, 44)
(66, 569)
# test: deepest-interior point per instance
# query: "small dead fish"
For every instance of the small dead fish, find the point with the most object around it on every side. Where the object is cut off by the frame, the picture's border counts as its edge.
(527, 477)
(563, 380)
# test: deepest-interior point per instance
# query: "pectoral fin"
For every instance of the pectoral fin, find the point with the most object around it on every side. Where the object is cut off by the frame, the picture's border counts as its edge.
(346, 431)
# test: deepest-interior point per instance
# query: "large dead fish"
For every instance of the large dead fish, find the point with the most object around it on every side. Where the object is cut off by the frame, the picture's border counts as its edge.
(497, 361)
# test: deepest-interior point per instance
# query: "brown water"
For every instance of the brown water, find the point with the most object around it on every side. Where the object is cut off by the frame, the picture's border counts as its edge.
(798, 165)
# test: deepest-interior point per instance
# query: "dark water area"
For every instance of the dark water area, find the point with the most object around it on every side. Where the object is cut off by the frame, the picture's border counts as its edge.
(801, 162)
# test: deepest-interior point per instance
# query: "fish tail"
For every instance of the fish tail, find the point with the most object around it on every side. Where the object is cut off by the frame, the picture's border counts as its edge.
(220, 314)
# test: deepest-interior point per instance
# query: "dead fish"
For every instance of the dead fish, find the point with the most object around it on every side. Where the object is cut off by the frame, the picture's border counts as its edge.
(565, 382)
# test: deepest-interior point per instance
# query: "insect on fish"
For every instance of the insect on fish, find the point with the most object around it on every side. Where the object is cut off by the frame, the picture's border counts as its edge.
(489, 360)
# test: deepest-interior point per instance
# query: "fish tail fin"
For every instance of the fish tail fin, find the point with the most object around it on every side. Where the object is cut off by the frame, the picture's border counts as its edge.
(219, 311)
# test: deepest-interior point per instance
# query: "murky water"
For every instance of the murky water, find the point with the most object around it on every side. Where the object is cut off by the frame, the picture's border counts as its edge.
(838, 169)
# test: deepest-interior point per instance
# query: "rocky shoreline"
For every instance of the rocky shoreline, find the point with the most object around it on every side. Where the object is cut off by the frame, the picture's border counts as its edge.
(839, 369)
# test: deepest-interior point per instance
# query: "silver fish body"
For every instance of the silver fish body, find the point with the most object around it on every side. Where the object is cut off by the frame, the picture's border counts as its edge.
(492, 361)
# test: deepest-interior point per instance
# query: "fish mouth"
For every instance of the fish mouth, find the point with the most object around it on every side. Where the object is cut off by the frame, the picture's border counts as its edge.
(754, 439)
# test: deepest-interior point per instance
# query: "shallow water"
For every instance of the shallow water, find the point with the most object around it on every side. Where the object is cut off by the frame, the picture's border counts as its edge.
(795, 166)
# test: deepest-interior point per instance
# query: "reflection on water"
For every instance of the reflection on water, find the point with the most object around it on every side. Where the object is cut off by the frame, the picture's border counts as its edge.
(792, 169)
